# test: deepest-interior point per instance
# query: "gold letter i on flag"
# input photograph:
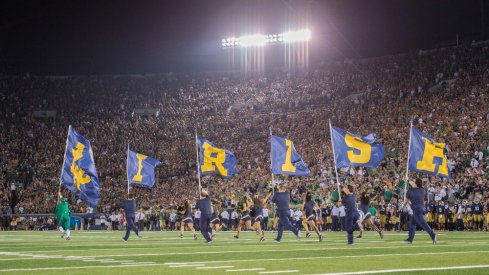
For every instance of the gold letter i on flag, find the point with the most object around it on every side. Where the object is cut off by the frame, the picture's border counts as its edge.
(138, 177)
(287, 166)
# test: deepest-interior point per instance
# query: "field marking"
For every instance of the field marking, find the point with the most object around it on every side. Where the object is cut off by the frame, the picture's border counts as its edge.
(186, 265)
(394, 246)
(76, 267)
(407, 270)
(278, 271)
(335, 257)
(244, 269)
(215, 267)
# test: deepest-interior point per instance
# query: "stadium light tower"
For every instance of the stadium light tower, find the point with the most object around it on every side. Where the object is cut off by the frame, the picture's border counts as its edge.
(260, 40)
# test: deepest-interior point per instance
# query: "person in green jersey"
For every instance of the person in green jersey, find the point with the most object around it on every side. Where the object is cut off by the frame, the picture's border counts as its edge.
(63, 213)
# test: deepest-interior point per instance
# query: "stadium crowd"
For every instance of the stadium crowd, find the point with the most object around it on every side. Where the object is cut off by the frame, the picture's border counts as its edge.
(446, 91)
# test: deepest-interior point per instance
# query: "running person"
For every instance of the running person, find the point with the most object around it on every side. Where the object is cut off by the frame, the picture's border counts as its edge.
(352, 215)
(366, 216)
(245, 216)
(416, 196)
(258, 205)
(309, 219)
(282, 201)
(204, 205)
(187, 219)
(129, 206)
(215, 221)
(63, 213)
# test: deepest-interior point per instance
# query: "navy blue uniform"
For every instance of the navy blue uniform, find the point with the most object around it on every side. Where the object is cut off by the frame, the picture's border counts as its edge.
(416, 196)
(245, 215)
(258, 213)
(204, 205)
(477, 209)
(310, 213)
(352, 215)
(187, 216)
(215, 215)
(130, 210)
(440, 209)
(282, 200)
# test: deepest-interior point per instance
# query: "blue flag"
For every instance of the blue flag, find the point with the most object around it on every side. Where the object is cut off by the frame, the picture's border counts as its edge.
(353, 150)
(141, 169)
(78, 173)
(285, 159)
(426, 155)
(214, 160)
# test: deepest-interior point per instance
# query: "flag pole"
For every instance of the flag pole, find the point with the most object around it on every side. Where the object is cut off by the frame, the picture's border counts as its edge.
(198, 161)
(407, 163)
(127, 170)
(271, 162)
(334, 157)
(64, 162)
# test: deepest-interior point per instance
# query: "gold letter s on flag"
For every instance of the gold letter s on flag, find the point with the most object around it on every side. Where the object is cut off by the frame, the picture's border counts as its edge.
(358, 144)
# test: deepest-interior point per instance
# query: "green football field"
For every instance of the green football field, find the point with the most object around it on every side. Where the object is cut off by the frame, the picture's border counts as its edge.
(28, 252)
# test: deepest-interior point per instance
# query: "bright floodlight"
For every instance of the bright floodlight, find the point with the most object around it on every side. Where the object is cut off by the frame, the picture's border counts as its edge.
(253, 40)
(297, 36)
(257, 40)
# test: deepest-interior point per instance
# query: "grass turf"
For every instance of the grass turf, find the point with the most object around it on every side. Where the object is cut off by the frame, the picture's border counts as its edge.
(94, 252)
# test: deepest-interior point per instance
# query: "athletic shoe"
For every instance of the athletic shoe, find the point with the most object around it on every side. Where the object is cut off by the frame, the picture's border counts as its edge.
(299, 235)
(359, 237)
(381, 235)
(435, 239)
(62, 236)
(139, 236)
(350, 243)
(236, 236)
(408, 241)
(124, 240)
(308, 235)
(320, 238)
(68, 238)
(209, 241)
(262, 239)
(277, 241)
(195, 237)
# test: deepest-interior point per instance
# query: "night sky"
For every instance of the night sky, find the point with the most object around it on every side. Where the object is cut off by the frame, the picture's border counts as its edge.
(119, 37)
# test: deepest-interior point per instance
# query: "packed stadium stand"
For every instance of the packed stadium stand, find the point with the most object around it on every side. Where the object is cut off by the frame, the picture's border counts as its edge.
(445, 91)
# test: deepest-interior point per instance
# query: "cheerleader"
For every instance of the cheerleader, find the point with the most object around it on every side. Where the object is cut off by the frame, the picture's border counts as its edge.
(245, 216)
(365, 216)
(215, 222)
(258, 205)
(186, 213)
(309, 219)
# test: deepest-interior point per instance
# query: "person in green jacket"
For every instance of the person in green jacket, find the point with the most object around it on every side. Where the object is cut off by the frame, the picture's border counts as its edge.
(63, 213)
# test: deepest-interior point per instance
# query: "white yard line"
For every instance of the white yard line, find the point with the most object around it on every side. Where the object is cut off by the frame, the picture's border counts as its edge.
(336, 257)
(408, 270)
(75, 267)
(186, 265)
(244, 269)
(215, 267)
(278, 271)
(266, 250)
